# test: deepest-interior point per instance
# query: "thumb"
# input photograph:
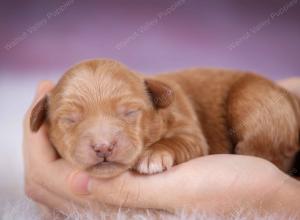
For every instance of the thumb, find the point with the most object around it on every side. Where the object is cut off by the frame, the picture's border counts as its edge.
(113, 191)
(82, 184)
(123, 190)
(79, 183)
(43, 87)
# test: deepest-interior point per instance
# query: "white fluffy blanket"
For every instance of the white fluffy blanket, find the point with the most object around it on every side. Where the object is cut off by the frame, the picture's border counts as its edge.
(24, 209)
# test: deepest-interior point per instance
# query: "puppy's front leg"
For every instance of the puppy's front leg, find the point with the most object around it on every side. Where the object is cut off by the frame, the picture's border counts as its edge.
(167, 152)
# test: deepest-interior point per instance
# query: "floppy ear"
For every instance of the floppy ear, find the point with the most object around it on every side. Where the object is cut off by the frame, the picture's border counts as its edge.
(39, 114)
(160, 93)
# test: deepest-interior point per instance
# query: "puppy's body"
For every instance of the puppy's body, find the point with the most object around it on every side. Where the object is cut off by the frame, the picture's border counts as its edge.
(241, 113)
(105, 118)
(207, 92)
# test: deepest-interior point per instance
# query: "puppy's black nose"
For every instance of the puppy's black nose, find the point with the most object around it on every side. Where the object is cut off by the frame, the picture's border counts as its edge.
(104, 150)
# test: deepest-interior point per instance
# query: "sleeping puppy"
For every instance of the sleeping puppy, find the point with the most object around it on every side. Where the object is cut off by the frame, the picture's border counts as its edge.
(105, 118)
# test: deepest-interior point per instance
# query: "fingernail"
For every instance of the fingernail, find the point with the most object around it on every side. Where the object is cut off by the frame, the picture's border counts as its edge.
(38, 90)
(80, 183)
(45, 84)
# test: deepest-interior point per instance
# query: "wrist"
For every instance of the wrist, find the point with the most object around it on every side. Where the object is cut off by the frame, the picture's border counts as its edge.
(291, 194)
(285, 198)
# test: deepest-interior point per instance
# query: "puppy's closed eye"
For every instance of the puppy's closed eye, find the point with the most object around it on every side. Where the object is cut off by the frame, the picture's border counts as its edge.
(70, 119)
(131, 112)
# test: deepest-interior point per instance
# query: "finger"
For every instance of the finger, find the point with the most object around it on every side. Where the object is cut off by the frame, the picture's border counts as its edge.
(46, 198)
(79, 183)
(51, 178)
(291, 84)
(56, 203)
(56, 180)
(36, 146)
(126, 190)
(42, 89)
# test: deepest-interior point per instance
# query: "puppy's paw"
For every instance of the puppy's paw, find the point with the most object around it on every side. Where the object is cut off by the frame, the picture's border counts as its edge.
(154, 161)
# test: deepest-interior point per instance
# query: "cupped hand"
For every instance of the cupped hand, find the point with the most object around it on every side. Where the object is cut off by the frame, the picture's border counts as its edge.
(216, 183)
(211, 184)
(45, 173)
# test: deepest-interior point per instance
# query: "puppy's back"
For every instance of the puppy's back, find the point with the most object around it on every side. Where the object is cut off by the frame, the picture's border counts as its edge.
(231, 105)
(207, 90)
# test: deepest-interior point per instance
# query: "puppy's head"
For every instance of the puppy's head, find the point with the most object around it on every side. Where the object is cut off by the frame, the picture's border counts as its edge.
(101, 115)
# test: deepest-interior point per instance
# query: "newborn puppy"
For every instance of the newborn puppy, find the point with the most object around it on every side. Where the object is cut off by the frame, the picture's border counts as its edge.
(105, 118)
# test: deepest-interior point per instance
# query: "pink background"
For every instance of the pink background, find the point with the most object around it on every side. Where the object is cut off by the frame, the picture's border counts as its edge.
(196, 33)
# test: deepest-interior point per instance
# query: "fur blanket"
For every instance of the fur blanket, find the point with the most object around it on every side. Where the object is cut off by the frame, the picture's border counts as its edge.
(24, 209)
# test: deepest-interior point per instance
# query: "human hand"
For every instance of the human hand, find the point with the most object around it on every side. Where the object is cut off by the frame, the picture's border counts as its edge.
(291, 84)
(46, 174)
(216, 183)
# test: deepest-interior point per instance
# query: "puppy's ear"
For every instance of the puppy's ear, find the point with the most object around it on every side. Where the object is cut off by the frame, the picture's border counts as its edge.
(161, 94)
(39, 114)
